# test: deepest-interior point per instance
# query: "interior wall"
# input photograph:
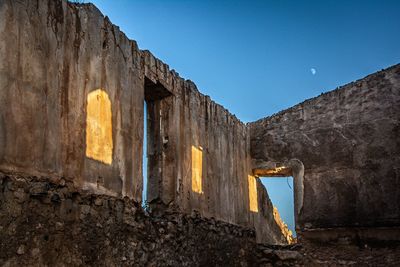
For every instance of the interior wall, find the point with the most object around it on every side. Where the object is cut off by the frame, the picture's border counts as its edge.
(348, 141)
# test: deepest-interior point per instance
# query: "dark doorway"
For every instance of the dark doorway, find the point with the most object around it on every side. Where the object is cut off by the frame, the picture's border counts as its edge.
(153, 140)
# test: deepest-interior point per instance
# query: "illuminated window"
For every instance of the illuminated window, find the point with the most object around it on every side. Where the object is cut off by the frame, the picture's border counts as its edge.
(197, 166)
(253, 200)
(99, 143)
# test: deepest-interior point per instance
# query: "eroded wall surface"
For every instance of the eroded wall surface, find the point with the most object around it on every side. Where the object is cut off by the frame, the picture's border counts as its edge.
(349, 142)
(53, 224)
(53, 55)
(72, 90)
(204, 161)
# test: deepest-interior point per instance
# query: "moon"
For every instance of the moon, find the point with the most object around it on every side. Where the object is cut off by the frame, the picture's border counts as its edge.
(313, 71)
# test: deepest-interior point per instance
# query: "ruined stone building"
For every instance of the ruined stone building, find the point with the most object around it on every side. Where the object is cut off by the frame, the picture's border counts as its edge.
(72, 94)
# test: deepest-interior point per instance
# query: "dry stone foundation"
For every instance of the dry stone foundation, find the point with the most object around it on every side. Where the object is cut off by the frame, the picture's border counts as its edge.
(53, 224)
(46, 223)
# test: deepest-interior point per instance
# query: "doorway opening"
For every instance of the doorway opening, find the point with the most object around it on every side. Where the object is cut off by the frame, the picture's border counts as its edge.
(284, 184)
(290, 190)
(280, 191)
(153, 140)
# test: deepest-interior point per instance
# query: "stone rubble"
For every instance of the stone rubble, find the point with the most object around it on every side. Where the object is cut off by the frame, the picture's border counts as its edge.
(81, 229)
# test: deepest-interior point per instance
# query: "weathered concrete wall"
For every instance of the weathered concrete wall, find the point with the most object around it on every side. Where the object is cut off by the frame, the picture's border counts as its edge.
(349, 142)
(189, 120)
(72, 89)
(53, 54)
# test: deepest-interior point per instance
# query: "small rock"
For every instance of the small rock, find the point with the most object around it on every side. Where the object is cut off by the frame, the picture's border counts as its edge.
(242, 252)
(343, 262)
(39, 189)
(46, 199)
(152, 246)
(268, 251)
(21, 250)
(85, 209)
(93, 212)
(59, 226)
(98, 202)
(170, 226)
(19, 194)
(287, 255)
(35, 252)
(55, 198)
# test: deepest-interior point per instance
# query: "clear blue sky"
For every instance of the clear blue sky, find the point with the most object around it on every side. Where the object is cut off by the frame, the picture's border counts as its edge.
(259, 57)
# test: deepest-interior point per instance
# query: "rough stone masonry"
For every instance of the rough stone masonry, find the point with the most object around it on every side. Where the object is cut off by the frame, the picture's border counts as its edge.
(72, 94)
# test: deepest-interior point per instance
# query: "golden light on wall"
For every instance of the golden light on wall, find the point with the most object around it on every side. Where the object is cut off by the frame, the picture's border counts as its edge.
(197, 170)
(275, 172)
(284, 228)
(253, 199)
(99, 142)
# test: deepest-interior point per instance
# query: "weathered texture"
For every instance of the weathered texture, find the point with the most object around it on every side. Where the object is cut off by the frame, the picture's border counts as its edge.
(264, 221)
(55, 54)
(55, 224)
(192, 119)
(189, 119)
(52, 55)
(348, 140)
(337, 254)
(49, 224)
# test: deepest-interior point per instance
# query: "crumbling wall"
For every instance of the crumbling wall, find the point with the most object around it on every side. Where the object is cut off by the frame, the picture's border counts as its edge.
(55, 224)
(53, 54)
(72, 89)
(348, 140)
(191, 122)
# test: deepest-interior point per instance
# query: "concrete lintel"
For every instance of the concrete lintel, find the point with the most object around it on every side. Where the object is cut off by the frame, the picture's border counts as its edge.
(283, 171)
(155, 90)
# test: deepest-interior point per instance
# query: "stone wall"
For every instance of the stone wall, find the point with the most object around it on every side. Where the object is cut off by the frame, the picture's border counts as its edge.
(190, 121)
(45, 223)
(72, 90)
(348, 140)
(55, 224)
(53, 54)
